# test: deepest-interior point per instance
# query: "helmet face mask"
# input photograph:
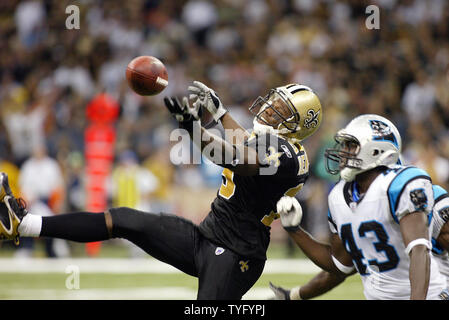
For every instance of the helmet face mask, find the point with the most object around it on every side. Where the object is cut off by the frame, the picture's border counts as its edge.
(367, 142)
(343, 154)
(275, 110)
(292, 111)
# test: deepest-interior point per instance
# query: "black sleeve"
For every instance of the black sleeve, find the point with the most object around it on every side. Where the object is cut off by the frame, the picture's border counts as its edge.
(275, 154)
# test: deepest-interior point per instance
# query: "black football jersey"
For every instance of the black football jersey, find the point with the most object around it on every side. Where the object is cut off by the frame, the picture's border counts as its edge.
(245, 206)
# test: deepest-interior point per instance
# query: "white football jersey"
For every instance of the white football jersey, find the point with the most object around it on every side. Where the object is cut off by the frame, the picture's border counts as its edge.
(369, 229)
(440, 215)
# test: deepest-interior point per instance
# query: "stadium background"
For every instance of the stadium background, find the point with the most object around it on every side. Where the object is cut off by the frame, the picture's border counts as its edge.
(49, 75)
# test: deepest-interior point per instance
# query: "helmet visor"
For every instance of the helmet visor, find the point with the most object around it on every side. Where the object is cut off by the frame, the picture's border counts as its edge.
(343, 154)
(274, 110)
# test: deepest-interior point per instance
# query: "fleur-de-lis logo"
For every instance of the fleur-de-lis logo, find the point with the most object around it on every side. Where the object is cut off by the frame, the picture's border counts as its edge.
(312, 120)
(244, 265)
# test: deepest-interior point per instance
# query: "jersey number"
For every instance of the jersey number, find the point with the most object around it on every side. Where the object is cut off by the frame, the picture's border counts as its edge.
(227, 188)
(381, 246)
(303, 164)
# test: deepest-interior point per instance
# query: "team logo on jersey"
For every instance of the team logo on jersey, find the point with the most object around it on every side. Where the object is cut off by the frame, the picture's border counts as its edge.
(272, 157)
(444, 214)
(312, 120)
(244, 265)
(418, 198)
(219, 251)
(381, 131)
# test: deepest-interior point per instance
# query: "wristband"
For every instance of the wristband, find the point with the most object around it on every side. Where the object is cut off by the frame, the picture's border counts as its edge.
(417, 242)
(292, 228)
(220, 113)
(342, 267)
(294, 293)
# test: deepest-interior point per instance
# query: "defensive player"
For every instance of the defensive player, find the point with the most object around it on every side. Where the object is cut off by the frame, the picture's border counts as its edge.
(325, 281)
(226, 251)
(378, 215)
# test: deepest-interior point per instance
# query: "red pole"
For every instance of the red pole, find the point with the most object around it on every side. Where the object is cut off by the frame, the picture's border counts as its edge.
(99, 137)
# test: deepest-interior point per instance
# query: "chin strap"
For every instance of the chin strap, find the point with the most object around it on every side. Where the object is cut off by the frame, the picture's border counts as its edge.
(260, 129)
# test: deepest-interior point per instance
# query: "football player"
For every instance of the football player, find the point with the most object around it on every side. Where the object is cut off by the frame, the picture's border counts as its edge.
(379, 214)
(227, 250)
(325, 281)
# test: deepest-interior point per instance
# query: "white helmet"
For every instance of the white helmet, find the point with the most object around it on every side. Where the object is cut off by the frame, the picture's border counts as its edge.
(375, 140)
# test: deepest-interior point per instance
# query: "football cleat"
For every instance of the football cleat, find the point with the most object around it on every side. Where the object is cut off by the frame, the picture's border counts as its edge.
(12, 211)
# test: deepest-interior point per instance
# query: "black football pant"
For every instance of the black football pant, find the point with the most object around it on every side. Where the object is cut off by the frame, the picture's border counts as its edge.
(222, 274)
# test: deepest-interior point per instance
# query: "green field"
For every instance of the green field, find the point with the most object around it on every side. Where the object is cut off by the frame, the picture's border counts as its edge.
(120, 286)
(30, 285)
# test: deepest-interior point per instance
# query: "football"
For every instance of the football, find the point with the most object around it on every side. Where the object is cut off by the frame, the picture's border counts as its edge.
(147, 75)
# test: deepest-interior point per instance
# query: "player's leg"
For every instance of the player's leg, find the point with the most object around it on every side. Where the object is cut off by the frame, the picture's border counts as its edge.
(166, 237)
(224, 275)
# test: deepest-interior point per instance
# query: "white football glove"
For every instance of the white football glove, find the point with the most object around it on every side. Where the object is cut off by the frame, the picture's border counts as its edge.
(207, 98)
(290, 211)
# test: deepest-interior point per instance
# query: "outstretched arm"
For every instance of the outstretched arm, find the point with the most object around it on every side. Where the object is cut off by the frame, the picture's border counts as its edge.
(331, 257)
(320, 284)
(239, 158)
(234, 132)
(206, 97)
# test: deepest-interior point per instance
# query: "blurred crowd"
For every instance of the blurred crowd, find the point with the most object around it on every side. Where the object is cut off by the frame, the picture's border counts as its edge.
(49, 74)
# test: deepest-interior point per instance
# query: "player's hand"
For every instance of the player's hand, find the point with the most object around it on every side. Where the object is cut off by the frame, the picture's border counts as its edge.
(207, 98)
(290, 211)
(182, 111)
(280, 293)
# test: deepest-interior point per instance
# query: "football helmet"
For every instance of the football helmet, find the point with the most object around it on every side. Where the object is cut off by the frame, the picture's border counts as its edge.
(367, 142)
(292, 111)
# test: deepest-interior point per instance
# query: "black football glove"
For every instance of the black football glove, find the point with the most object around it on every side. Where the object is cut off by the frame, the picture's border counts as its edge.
(182, 111)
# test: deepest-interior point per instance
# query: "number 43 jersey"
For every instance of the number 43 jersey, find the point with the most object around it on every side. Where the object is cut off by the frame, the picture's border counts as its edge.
(370, 232)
